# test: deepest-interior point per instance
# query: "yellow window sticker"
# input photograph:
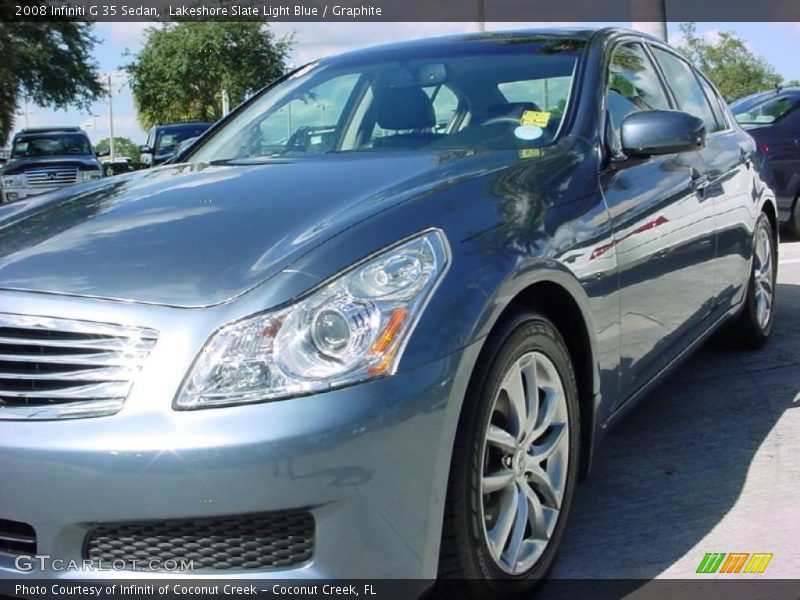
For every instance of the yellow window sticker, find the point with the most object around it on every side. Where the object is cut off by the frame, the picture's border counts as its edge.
(535, 117)
(530, 153)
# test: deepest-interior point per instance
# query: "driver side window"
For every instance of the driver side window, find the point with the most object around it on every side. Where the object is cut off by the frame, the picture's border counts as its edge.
(306, 124)
(633, 85)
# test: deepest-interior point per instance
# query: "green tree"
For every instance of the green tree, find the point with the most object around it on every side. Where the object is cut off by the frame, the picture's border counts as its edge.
(728, 63)
(122, 147)
(50, 64)
(183, 68)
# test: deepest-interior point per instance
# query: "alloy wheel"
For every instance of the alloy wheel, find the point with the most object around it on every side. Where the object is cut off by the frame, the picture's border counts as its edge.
(763, 277)
(525, 463)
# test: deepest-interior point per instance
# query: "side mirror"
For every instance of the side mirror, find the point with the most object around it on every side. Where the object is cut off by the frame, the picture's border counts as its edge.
(655, 132)
(145, 149)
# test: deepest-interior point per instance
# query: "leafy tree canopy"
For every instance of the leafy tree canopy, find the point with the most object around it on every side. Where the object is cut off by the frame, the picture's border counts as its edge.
(48, 63)
(183, 68)
(728, 63)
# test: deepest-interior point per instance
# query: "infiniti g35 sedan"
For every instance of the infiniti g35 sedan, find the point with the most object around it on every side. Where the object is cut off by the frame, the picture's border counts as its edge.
(373, 323)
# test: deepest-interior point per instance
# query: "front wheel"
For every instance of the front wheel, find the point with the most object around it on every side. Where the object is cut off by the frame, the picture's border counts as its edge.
(754, 325)
(514, 467)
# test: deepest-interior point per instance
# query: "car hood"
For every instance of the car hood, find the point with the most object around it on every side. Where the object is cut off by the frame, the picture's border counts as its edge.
(19, 165)
(195, 235)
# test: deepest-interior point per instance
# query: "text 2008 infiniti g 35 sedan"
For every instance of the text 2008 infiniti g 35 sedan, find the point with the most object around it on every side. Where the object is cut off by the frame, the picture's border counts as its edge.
(373, 323)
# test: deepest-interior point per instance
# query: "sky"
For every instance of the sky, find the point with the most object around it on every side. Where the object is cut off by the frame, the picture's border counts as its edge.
(315, 40)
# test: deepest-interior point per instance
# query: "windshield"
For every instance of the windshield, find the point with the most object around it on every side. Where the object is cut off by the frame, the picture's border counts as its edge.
(50, 145)
(763, 110)
(476, 96)
(168, 139)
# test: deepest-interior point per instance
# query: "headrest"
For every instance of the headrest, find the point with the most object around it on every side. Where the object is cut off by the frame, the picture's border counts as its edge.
(404, 108)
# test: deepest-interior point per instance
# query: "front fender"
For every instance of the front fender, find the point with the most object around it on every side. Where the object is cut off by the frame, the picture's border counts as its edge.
(510, 226)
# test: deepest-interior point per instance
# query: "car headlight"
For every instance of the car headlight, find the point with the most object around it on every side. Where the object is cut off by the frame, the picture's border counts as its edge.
(13, 181)
(351, 329)
(90, 175)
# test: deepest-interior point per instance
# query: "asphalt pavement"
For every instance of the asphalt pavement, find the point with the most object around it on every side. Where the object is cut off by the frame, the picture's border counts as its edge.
(709, 462)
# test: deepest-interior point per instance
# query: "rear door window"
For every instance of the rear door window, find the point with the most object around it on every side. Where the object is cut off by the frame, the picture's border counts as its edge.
(716, 103)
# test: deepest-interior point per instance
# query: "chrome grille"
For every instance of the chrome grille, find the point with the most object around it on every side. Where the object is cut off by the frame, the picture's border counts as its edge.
(51, 176)
(57, 368)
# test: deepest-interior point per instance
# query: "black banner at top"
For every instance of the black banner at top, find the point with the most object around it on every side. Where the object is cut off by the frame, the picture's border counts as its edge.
(560, 11)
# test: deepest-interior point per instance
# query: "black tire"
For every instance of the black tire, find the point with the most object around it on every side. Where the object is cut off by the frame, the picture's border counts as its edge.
(749, 332)
(466, 563)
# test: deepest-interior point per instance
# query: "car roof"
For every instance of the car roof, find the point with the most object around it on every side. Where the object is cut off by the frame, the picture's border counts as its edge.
(48, 131)
(71, 128)
(464, 39)
(791, 91)
(506, 37)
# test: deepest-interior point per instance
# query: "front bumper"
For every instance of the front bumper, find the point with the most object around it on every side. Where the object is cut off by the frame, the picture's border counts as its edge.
(370, 462)
(13, 194)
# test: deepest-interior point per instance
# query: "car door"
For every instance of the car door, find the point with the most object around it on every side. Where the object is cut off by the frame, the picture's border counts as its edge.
(663, 228)
(728, 178)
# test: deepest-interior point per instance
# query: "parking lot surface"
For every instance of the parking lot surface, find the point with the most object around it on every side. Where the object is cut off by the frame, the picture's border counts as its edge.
(709, 462)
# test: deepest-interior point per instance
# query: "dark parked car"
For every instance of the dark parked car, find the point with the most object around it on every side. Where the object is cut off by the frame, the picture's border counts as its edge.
(163, 139)
(376, 322)
(47, 158)
(773, 120)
